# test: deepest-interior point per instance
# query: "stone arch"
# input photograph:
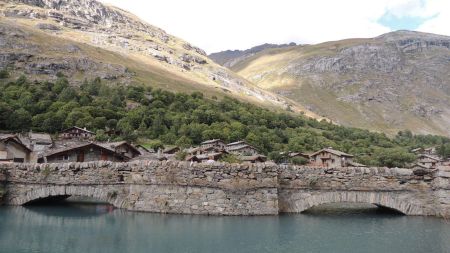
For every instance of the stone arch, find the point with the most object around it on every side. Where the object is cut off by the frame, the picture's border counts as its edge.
(402, 204)
(41, 192)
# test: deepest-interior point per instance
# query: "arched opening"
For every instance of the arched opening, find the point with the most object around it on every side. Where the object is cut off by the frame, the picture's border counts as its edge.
(351, 209)
(379, 202)
(69, 206)
(51, 200)
(66, 200)
(68, 196)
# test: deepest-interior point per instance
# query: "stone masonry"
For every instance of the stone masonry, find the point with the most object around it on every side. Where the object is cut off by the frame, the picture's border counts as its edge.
(228, 189)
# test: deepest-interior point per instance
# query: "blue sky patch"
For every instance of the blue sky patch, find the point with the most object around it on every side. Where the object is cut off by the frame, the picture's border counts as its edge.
(403, 23)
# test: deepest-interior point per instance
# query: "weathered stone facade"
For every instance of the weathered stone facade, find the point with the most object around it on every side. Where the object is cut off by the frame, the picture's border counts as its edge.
(228, 189)
(399, 189)
(167, 187)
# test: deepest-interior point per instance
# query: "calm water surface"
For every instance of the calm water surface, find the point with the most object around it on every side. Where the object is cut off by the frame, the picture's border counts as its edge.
(98, 228)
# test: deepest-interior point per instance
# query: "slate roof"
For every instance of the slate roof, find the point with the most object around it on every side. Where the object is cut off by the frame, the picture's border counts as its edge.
(241, 147)
(211, 141)
(332, 151)
(430, 157)
(79, 128)
(237, 143)
(52, 152)
(41, 138)
(14, 138)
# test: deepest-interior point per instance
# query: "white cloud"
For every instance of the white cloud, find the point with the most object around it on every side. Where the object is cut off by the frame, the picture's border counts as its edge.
(239, 24)
(440, 23)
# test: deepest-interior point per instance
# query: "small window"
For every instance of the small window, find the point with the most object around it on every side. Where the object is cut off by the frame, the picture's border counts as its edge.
(19, 160)
(64, 157)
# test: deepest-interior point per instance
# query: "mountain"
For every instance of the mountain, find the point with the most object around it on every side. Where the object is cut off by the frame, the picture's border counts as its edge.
(87, 39)
(229, 58)
(397, 81)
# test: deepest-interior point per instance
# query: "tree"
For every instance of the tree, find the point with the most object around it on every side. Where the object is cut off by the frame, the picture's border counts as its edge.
(100, 135)
(394, 157)
(5, 113)
(155, 145)
(126, 130)
(181, 156)
(184, 142)
(277, 156)
(111, 123)
(67, 94)
(444, 150)
(4, 73)
(60, 85)
(299, 161)
(20, 120)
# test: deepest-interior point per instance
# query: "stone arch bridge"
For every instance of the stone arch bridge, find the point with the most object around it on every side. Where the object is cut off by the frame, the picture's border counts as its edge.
(224, 189)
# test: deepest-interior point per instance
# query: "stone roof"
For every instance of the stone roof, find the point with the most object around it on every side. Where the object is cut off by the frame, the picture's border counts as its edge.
(79, 128)
(430, 157)
(14, 138)
(294, 154)
(419, 165)
(332, 151)
(211, 141)
(114, 145)
(170, 149)
(52, 152)
(204, 156)
(241, 147)
(7, 136)
(41, 138)
(144, 148)
(355, 164)
(237, 143)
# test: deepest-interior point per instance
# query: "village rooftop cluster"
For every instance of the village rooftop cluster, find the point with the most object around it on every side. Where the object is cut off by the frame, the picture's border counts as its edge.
(76, 144)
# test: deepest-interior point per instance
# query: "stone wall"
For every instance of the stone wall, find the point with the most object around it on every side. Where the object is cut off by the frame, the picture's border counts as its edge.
(2, 184)
(228, 189)
(400, 189)
(168, 187)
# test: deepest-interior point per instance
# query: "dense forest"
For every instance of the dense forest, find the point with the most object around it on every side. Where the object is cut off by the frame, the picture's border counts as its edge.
(156, 117)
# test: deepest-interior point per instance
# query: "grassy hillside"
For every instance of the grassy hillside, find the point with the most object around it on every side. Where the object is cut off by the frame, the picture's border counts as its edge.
(389, 83)
(94, 40)
(140, 113)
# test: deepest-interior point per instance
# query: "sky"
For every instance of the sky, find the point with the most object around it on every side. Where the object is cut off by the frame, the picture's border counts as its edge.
(216, 25)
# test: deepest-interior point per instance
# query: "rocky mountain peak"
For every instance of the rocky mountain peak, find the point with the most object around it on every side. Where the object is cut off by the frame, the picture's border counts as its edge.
(107, 42)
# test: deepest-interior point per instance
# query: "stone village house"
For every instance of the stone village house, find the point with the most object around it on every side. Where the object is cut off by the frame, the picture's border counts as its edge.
(215, 143)
(241, 148)
(86, 152)
(329, 157)
(428, 161)
(13, 150)
(122, 147)
(76, 133)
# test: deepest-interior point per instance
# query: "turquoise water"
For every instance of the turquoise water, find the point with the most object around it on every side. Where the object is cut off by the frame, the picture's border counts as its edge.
(98, 228)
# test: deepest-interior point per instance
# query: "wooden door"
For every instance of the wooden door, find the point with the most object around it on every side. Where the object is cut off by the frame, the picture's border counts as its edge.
(104, 156)
(80, 157)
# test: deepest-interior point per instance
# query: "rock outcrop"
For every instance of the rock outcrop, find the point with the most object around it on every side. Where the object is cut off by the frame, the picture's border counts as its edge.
(37, 38)
(392, 82)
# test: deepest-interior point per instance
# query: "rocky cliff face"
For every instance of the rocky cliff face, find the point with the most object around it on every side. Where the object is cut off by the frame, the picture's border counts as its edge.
(229, 58)
(396, 81)
(87, 39)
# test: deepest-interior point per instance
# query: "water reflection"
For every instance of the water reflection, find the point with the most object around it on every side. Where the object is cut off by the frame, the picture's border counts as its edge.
(351, 210)
(72, 229)
(71, 209)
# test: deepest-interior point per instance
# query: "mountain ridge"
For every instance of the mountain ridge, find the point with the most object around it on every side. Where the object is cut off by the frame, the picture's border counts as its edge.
(229, 58)
(389, 83)
(126, 49)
